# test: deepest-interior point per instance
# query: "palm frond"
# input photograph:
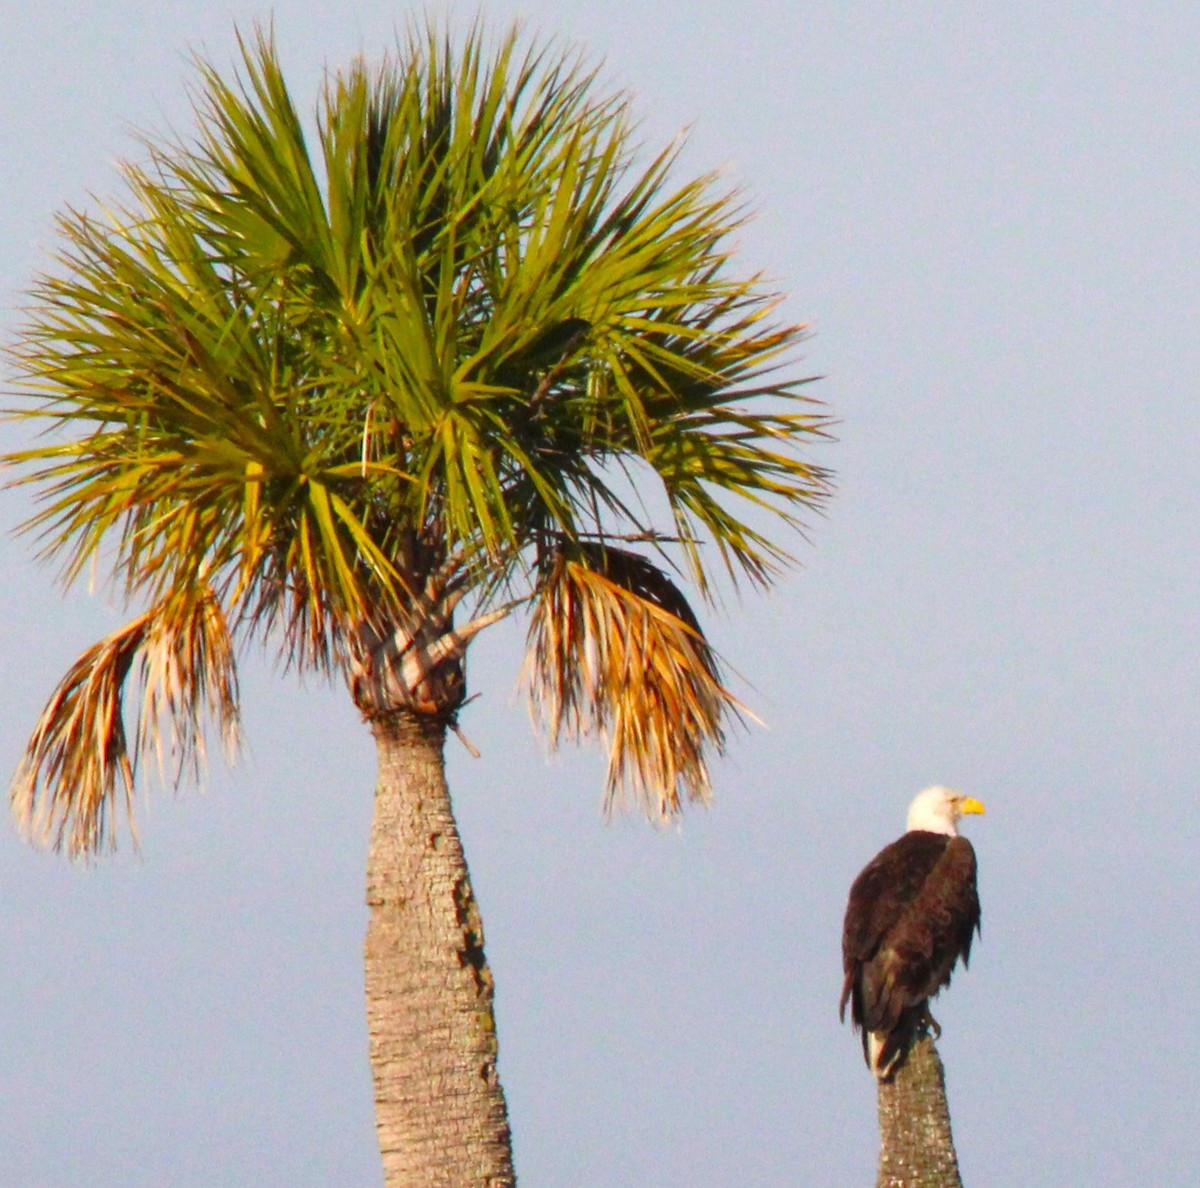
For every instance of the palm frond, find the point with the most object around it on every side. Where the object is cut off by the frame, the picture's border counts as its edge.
(80, 766)
(615, 649)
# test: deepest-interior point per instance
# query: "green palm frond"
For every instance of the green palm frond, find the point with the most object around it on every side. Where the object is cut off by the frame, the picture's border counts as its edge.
(453, 319)
(80, 765)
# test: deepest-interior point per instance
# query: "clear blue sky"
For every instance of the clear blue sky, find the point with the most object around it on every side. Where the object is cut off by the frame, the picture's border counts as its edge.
(989, 215)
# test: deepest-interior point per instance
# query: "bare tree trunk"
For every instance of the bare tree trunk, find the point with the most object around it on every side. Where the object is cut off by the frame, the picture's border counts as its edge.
(440, 1109)
(917, 1148)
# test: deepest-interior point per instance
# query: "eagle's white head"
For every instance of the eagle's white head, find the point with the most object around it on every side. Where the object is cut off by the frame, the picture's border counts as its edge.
(938, 810)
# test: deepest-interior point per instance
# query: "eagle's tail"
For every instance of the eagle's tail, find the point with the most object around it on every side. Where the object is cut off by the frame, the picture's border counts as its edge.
(886, 1051)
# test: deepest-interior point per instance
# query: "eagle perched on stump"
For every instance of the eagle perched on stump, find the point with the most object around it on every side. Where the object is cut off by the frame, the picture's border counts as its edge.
(912, 913)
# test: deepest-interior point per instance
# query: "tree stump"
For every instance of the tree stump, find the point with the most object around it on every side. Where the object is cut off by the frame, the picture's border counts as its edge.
(916, 1145)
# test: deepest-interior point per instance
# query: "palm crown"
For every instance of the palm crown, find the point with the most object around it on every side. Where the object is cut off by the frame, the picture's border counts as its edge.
(459, 352)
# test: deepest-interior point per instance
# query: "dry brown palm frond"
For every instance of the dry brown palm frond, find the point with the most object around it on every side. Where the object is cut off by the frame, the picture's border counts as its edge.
(79, 762)
(614, 648)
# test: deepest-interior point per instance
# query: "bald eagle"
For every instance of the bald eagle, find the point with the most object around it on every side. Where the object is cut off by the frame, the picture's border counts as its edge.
(912, 914)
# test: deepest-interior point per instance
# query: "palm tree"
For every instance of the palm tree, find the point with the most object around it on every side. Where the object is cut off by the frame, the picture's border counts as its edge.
(358, 403)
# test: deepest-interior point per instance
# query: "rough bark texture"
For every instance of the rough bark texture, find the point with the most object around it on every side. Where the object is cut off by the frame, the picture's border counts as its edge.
(440, 1110)
(917, 1148)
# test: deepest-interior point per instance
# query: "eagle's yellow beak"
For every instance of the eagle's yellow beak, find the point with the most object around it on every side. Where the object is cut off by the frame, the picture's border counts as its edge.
(969, 804)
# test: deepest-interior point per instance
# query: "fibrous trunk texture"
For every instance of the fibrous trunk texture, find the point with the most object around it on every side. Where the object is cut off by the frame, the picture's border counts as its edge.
(440, 1109)
(917, 1148)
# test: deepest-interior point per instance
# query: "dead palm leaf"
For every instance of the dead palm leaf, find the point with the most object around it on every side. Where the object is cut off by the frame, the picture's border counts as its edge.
(614, 648)
(80, 765)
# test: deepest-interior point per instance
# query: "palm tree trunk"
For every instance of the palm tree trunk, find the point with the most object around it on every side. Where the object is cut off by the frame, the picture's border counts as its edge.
(917, 1148)
(440, 1109)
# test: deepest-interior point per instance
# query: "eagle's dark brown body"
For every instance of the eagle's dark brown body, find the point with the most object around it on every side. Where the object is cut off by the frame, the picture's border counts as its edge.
(912, 914)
